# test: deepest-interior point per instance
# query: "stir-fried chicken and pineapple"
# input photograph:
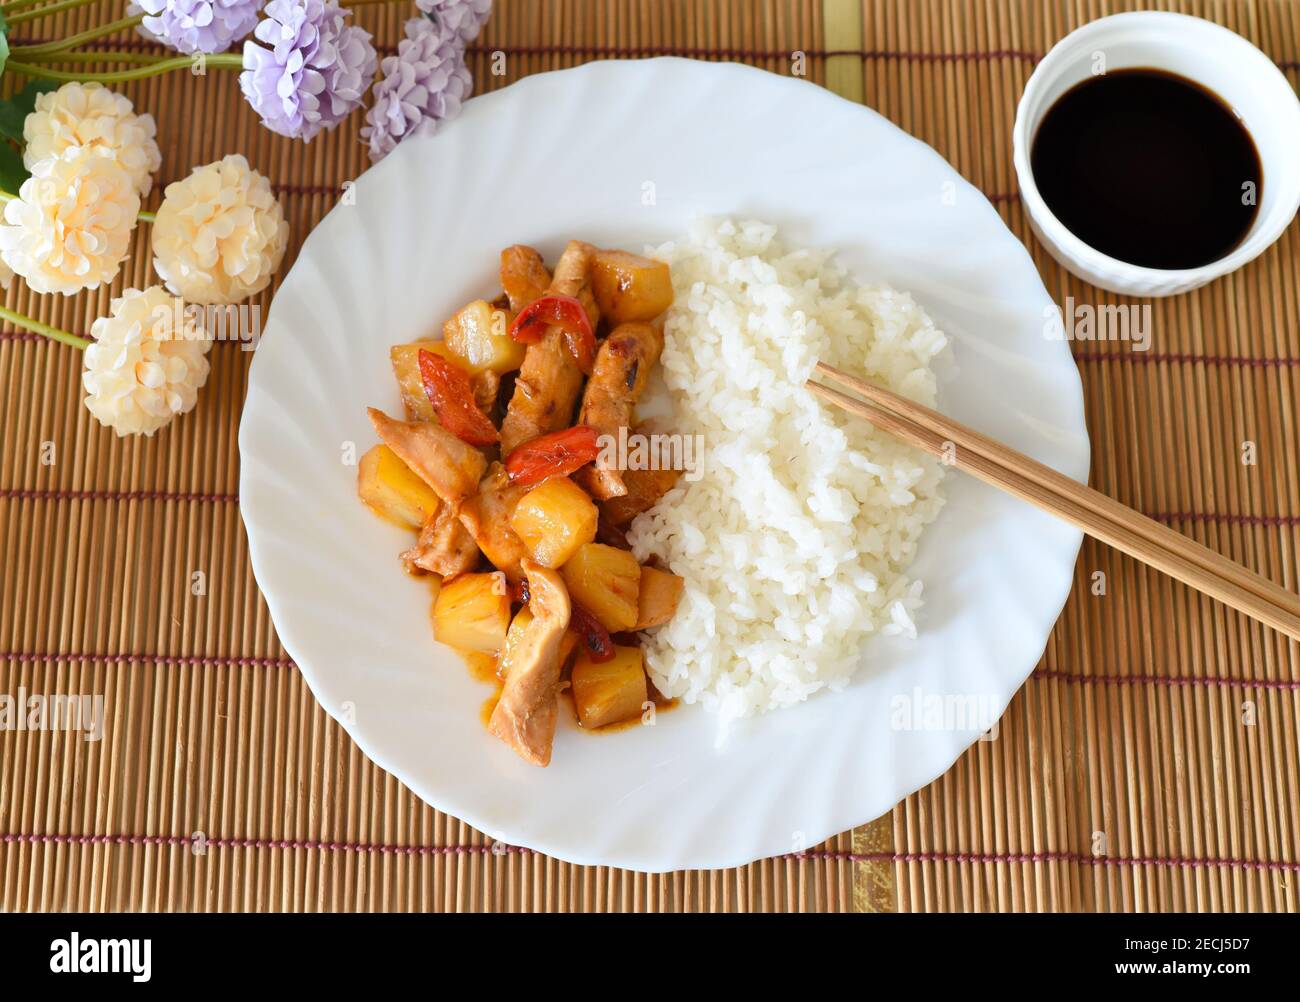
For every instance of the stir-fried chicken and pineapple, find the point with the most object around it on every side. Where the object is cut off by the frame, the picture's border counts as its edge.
(498, 466)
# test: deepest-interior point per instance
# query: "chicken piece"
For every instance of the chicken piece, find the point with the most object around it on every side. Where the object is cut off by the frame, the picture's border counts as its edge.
(657, 598)
(523, 276)
(487, 517)
(525, 715)
(573, 278)
(545, 391)
(620, 374)
(610, 534)
(547, 386)
(487, 384)
(445, 546)
(644, 489)
(448, 465)
(644, 486)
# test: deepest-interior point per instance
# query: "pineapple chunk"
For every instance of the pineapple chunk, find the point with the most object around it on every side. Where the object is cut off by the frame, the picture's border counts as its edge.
(406, 367)
(610, 692)
(472, 612)
(478, 337)
(554, 519)
(389, 487)
(629, 286)
(658, 598)
(605, 581)
(435, 586)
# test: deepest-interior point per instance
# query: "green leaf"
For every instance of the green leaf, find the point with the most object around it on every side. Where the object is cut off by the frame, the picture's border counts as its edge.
(4, 42)
(14, 110)
(12, 171)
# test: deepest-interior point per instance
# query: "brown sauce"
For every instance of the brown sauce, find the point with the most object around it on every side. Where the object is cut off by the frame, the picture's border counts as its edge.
(483, 668)
(488, 708)
(1150, 168)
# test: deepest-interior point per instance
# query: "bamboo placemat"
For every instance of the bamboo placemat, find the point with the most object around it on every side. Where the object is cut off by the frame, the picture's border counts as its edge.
(1150, 763)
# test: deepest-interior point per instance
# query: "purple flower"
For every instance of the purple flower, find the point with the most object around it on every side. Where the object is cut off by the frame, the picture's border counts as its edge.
(191, 26)
(462, 18)
(422, 85)
(314, 72)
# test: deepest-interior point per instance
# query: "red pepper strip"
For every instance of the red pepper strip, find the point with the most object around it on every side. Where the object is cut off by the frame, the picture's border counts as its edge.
(593, 636)
(566, 313)
(449, 390)
(582, 346)
(554, 455)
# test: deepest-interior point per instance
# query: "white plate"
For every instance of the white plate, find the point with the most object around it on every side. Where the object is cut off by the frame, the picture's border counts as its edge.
(577, 154)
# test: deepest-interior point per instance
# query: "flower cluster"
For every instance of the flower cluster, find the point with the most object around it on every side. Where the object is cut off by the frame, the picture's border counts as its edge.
(308, 70)
(312, 70)
(461, 19)
(70, 226)
(423, 85)
(147, 364)
(220, 234)
(218, 237)
(190, 26)
(90, 116)
(90, 158)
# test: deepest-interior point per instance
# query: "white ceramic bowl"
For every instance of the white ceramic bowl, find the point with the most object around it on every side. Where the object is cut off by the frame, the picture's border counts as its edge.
(553, 157)
(1201, 51)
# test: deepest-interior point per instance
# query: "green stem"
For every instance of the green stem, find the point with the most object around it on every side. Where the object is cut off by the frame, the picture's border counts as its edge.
(227, 60)
(106, 56)
(20, 5)
(72, 41)
(36, 327)
(32, 15)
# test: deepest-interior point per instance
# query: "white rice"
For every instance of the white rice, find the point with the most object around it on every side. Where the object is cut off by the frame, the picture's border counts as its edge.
(795, 540)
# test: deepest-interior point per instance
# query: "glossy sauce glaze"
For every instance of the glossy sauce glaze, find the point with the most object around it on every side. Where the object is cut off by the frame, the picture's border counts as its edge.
(1149, 168)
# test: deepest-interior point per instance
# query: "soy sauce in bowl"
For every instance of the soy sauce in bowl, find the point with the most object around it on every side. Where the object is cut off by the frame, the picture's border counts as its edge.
(1149, 168)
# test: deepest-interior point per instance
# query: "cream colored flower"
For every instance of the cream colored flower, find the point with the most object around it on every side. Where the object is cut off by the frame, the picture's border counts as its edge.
(220, 233)
(70, 226)
(91, 116)
(6, 275)
(147, 363)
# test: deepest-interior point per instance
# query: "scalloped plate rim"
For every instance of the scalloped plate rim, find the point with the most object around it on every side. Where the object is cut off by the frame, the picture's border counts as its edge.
(839, 817)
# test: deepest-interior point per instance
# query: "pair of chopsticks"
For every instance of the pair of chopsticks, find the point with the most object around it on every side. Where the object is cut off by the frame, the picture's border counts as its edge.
(1096, 514)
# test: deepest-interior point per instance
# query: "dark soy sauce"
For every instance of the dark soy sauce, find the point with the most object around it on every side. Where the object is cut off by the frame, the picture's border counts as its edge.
(1150, 168)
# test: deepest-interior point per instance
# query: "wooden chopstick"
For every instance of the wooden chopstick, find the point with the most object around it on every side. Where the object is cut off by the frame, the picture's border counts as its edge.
(1096, 514)
(1057, 482)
